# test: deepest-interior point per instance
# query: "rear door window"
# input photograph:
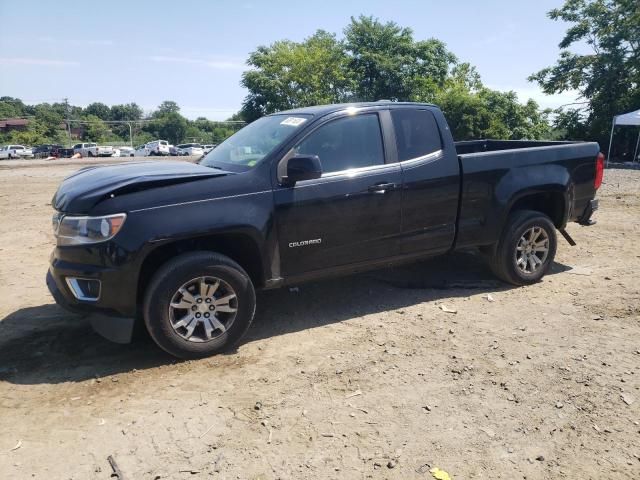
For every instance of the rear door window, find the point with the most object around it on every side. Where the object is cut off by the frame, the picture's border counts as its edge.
(417, 133)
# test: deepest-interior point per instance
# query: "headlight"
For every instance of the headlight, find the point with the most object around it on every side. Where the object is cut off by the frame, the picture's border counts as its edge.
(70, 230)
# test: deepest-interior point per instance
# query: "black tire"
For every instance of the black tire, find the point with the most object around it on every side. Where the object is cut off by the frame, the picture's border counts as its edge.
(503, 259)
(90, 153)
(174, 274)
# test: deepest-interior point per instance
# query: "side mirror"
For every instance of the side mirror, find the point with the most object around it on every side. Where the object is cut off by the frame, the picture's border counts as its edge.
(302, 167)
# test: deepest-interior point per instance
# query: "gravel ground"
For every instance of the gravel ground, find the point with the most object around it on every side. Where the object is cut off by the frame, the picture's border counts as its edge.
(359, 377)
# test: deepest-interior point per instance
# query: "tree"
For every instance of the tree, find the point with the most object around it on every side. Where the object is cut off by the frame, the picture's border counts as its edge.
(128, 111)
(95, 130)
(492, 114)
(50, 122)
(389, 64)
(236, 117)
(288, 75)
(99, 110)
(166, 107)
(171, 126)
(608, 76)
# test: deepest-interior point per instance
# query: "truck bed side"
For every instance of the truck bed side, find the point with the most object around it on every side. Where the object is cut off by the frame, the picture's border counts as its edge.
(554, 177)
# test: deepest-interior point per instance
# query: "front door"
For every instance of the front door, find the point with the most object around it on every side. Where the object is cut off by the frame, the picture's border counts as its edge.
(349, 215)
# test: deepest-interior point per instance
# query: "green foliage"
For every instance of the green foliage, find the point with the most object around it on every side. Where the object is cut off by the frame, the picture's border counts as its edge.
(95, 130)
(492, 114)
(383, 61)
(142, 137)
(389, 64)
(50, 122)
(128, 111)
(99, 110)
(607, 77)
(169, 126)
(289, 75)
(47, 124)
(167, 107)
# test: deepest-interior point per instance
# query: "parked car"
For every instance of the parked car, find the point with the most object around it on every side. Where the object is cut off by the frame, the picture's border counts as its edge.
(47, 150)
(173, 150)
(141, 151)
(208, 148)
(190, 149)
(9, 152)
(65, 152)
(127, 152)
(302, 195)
(92, 150)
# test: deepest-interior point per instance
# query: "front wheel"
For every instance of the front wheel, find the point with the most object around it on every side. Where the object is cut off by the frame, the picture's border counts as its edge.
(526, 248)
(199, 304)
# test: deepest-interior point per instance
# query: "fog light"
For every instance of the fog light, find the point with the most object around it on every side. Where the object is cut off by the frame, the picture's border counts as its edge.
(84, 289)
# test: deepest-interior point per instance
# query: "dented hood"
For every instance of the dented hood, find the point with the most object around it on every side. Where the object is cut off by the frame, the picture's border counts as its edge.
(79, 192)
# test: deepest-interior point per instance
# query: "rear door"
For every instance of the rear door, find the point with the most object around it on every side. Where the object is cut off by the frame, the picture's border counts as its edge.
(431, 181)
(349, 215)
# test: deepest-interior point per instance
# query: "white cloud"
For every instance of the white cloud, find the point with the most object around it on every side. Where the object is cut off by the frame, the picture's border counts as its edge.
(105, 42)
(217, 64)
(101, 43)
(42, 62)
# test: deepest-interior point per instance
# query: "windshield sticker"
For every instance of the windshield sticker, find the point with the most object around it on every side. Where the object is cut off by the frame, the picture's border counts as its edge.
(293, 121)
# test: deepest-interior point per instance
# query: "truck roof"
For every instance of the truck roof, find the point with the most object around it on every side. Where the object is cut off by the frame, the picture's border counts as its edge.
(335, 107)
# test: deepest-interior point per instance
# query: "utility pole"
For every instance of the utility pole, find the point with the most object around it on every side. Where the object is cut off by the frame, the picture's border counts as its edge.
(66, 109)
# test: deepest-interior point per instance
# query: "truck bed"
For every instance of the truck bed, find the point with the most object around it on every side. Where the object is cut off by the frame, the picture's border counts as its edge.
(558, 173)
(477, 146)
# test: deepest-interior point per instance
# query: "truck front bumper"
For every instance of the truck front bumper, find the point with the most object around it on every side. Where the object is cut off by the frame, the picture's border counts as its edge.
(90, 293)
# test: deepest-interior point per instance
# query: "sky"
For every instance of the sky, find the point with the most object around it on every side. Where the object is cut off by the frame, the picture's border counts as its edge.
(194, 52)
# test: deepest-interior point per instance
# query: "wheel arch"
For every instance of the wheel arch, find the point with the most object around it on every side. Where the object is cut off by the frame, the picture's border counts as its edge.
(241, 247)
(552, 201)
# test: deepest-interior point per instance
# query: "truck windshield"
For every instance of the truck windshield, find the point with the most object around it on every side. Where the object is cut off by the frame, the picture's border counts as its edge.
(243, 150)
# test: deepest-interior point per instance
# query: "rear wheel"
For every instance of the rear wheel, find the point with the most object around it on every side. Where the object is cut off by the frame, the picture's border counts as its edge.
(199, 304)
(526, 249)
(90, 153)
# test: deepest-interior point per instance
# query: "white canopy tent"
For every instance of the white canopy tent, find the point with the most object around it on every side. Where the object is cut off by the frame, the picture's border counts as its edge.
(631, 118)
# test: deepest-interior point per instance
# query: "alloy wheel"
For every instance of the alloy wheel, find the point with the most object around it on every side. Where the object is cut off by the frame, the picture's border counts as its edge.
(203, 308)
(532, 250)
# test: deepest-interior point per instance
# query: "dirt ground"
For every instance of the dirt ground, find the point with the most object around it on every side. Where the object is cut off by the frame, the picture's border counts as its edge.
(360, 377)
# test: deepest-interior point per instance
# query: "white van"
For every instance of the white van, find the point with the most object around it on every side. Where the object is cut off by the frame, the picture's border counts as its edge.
(157, 148)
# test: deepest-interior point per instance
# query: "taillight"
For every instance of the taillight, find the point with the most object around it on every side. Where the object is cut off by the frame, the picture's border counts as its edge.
(599, 171)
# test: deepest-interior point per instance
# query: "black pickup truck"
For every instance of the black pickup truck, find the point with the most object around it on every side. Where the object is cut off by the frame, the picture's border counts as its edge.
(301, 195)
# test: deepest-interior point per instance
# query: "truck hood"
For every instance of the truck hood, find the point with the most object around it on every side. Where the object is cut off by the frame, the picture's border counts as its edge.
(79, 192)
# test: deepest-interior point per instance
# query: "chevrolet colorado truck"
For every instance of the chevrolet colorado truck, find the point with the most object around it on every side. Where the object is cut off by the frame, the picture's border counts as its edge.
(297, 196)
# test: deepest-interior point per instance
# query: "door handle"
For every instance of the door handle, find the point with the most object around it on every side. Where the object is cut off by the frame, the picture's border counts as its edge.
(381, 188)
